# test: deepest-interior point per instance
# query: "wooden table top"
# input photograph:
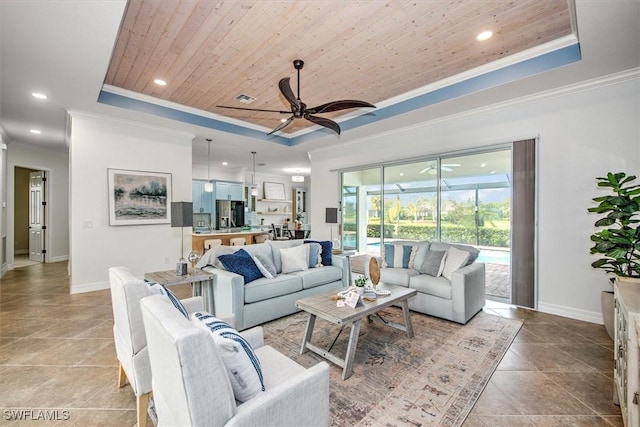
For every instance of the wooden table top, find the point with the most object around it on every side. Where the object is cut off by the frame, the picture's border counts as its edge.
(325, 308)
(169, 277)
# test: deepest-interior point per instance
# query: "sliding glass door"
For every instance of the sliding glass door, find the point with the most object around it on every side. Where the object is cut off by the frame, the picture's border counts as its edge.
(456, 199)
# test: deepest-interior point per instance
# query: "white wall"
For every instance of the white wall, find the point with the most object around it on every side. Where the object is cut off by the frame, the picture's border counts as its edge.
(98, 144)
(584, 132)
(57, 167)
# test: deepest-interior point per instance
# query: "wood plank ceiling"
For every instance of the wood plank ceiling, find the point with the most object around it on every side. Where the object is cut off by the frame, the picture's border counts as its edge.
(209, 52)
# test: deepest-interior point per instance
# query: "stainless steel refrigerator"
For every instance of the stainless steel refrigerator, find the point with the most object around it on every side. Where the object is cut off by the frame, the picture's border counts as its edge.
(229, 214)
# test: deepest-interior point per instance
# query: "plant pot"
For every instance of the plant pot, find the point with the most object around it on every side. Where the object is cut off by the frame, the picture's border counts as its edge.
(360, 290)
(608, 315)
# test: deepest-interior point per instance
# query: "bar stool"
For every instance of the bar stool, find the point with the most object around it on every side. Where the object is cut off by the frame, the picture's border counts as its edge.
(238, 241)
(261, 238)
(210, 243)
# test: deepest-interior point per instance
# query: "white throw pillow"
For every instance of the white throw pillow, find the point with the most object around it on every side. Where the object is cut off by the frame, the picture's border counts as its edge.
(294, 259)
(455, 259)
(442, 263)
(241, 362)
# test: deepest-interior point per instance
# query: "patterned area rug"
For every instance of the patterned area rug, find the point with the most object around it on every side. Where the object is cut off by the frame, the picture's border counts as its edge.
(433, 379)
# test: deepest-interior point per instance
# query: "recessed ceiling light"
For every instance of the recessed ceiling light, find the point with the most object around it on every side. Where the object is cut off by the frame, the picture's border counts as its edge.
(224, 163)
(39, 95)
(160, 82)
(483, 165)
(36, 131)
(485, 35)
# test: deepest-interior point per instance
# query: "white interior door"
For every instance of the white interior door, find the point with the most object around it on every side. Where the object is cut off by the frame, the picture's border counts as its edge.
(37, 227)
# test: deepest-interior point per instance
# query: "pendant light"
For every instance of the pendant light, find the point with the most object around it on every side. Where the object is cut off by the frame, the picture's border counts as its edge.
(254, 187)
(297, 178)
(208, 186)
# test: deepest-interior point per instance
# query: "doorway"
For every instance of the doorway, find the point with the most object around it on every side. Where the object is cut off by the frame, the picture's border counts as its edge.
(29, 216)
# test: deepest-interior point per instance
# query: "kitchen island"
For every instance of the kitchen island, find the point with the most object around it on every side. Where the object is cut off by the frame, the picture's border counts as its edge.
(197, 239)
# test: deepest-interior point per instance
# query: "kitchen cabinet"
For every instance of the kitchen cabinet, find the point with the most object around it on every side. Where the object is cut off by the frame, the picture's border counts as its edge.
(202, 200)
(228, 190)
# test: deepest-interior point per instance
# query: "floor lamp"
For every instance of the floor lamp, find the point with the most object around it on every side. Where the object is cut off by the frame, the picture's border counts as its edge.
(181, 216)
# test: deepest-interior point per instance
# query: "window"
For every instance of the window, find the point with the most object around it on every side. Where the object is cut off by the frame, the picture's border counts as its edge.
(456, 199)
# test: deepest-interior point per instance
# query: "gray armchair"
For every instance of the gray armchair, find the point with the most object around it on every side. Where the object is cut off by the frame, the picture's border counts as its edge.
(194, 389)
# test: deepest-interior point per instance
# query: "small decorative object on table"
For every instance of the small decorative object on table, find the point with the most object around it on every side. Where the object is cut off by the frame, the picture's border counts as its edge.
(193, 257)
(360, 283)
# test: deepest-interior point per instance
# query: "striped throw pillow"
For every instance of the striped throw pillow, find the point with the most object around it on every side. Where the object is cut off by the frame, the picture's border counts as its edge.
(398, 256)
(162, 289)
(240, 361)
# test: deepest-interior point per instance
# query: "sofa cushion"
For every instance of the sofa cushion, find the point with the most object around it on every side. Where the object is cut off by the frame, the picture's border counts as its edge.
(261, 249)
(455, 259)
(431, 263)
(239, 358)
(276, 245)
(265, 265)
(398, 256)
(294, 259)
(437, 286)
(314, 254)
(241, 263)
(327, 250)
(441, 246)
(319, 276)
(263, 288)
(397, 276)
(211, 256)
(421, 248)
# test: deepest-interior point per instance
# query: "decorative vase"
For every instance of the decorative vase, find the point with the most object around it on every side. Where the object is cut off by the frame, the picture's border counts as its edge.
(608, 316)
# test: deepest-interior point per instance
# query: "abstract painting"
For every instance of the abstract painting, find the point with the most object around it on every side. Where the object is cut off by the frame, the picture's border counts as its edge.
(139, 197)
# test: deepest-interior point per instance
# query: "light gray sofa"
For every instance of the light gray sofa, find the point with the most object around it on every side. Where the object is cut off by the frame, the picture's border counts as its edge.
(458, 299)
(265, 299)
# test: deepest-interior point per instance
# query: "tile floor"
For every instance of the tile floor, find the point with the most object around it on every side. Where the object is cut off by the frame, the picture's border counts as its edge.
(57, 354)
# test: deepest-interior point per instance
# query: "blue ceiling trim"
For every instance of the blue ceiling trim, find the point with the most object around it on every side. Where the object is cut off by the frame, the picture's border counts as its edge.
(529, 67)
(526, 68)
(122, 101)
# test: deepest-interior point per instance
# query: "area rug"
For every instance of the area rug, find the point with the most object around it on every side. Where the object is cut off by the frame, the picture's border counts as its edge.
(433, 379)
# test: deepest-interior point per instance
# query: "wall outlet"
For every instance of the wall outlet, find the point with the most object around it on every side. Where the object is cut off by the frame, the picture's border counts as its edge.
(87, 223)
(166, 260)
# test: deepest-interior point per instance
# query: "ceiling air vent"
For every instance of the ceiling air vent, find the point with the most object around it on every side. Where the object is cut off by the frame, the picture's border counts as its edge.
(245, 99)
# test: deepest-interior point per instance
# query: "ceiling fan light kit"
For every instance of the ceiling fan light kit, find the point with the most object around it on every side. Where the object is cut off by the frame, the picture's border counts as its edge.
(299, 109)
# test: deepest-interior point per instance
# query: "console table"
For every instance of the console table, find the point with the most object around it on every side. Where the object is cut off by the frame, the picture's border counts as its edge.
(627, 352)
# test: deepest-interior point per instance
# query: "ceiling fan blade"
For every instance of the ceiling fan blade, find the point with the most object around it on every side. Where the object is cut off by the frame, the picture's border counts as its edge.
(339, 105)
(254, 109)
(285, 88)
(283, 125)
(323, 122)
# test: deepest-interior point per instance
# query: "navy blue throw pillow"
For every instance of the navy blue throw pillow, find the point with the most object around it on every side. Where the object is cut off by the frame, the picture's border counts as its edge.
(327, 250)
(241, 263)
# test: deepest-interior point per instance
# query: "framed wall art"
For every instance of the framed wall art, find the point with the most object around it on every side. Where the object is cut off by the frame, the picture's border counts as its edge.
(139, 197)
(274, 191)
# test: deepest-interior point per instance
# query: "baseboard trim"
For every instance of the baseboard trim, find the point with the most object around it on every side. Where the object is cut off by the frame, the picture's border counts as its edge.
(59, 258)
(88, 287)
(571, 312)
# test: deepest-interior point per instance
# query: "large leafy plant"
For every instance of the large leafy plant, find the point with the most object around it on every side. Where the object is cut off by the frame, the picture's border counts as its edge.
(619, 242)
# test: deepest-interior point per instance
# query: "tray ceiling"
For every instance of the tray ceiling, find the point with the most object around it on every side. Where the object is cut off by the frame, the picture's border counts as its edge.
(210, 52)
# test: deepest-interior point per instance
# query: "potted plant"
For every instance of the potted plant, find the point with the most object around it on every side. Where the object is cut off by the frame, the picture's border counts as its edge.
(618, 242)
(360, 283)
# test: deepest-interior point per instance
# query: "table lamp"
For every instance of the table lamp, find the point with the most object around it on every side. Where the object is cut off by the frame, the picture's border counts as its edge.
(181, 216)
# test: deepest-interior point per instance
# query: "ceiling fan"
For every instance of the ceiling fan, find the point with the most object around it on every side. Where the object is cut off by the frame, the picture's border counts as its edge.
(447, 167)
(299, 109)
